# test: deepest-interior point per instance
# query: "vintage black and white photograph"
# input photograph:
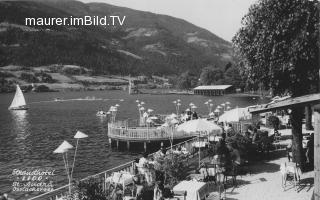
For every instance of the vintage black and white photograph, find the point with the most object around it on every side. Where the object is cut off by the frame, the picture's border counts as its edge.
(159, 100)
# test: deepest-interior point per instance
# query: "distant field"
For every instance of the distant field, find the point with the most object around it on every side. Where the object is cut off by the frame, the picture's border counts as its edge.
(59, 86)
(99, 79)
(61, 78)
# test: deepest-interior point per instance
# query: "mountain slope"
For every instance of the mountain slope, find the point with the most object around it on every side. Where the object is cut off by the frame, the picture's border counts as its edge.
(147, 43)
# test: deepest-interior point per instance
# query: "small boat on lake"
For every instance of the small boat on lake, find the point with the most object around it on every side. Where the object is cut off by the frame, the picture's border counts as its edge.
(18, 102)
(57, 99)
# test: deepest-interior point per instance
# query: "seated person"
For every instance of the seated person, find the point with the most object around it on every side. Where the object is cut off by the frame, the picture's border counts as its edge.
(142, 164)
(289, 150)
(194, 115)
(256, 135)
(230, 131)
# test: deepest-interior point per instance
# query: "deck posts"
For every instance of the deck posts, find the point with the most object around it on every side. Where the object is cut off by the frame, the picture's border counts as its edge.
(117, 144)
(145, 146)
(317, 152)
(110, 142)
(128, 145)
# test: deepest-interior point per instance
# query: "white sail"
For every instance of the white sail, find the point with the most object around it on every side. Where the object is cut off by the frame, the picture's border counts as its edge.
(18, 100)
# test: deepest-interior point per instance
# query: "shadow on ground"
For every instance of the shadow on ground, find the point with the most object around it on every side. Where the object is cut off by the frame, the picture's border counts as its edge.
(306, 183)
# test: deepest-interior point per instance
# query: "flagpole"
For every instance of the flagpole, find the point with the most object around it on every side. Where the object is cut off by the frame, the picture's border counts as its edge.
(74, 158)
(199, 148)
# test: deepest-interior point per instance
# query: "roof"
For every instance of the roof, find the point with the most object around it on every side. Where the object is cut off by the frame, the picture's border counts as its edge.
(212, 87)
(287, 103)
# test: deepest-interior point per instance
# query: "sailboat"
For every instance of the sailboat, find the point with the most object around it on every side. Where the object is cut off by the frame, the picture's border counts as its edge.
(18, 102)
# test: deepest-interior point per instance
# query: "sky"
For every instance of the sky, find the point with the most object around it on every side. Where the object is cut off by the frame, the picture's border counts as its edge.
(221, 17)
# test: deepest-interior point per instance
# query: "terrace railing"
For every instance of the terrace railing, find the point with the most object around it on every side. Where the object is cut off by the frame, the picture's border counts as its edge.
(144, 133)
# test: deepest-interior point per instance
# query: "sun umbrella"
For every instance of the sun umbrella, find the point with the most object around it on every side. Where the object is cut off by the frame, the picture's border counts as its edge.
(172, 116)
(235, 115)
(199, 125)
(64, 147)
(145, 115)
(165, 125)
(80, 135)
(211, 114)
(174, 121)
(217, 110)
(142, 108)
(219, 107)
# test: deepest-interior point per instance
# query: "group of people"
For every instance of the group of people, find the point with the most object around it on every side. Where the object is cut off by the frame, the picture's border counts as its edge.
(189, 115)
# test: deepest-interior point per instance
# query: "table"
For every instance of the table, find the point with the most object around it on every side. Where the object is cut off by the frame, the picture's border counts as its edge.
(195, 190)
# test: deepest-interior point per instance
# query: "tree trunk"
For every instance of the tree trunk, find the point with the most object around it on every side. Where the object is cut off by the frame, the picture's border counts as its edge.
(317, 153)
(308, 118)
(297, 150)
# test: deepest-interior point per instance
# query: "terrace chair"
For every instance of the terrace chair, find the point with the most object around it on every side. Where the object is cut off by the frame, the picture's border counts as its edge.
(219, 193)
(289, 174)
(232, 172)
(180, 195)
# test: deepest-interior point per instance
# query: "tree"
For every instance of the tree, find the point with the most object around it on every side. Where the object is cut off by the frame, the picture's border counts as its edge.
(232, 77)
(278, 46)
(210, 75)
(187, 80)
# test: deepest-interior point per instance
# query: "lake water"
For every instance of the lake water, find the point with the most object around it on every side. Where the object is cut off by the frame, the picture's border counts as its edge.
(28, 138)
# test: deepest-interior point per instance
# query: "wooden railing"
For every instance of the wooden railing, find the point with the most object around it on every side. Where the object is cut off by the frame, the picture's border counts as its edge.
(102, 176)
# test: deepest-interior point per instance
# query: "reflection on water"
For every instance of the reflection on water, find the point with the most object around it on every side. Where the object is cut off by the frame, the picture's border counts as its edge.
(20, 123)
(21, 127)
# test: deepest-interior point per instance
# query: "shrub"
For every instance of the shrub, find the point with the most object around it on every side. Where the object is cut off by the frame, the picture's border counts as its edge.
(274, 122)
(91, 190)
(173, 166)
(6, 74)
(44, 77)
(28, 77)
(42, 88)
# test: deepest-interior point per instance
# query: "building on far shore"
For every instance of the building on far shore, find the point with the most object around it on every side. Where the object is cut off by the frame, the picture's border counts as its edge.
(213, 90)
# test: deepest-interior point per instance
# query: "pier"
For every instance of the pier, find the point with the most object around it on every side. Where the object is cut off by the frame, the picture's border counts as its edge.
(122, 132)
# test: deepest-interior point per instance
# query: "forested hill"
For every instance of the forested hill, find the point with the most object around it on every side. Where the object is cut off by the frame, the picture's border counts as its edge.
(147, 43)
